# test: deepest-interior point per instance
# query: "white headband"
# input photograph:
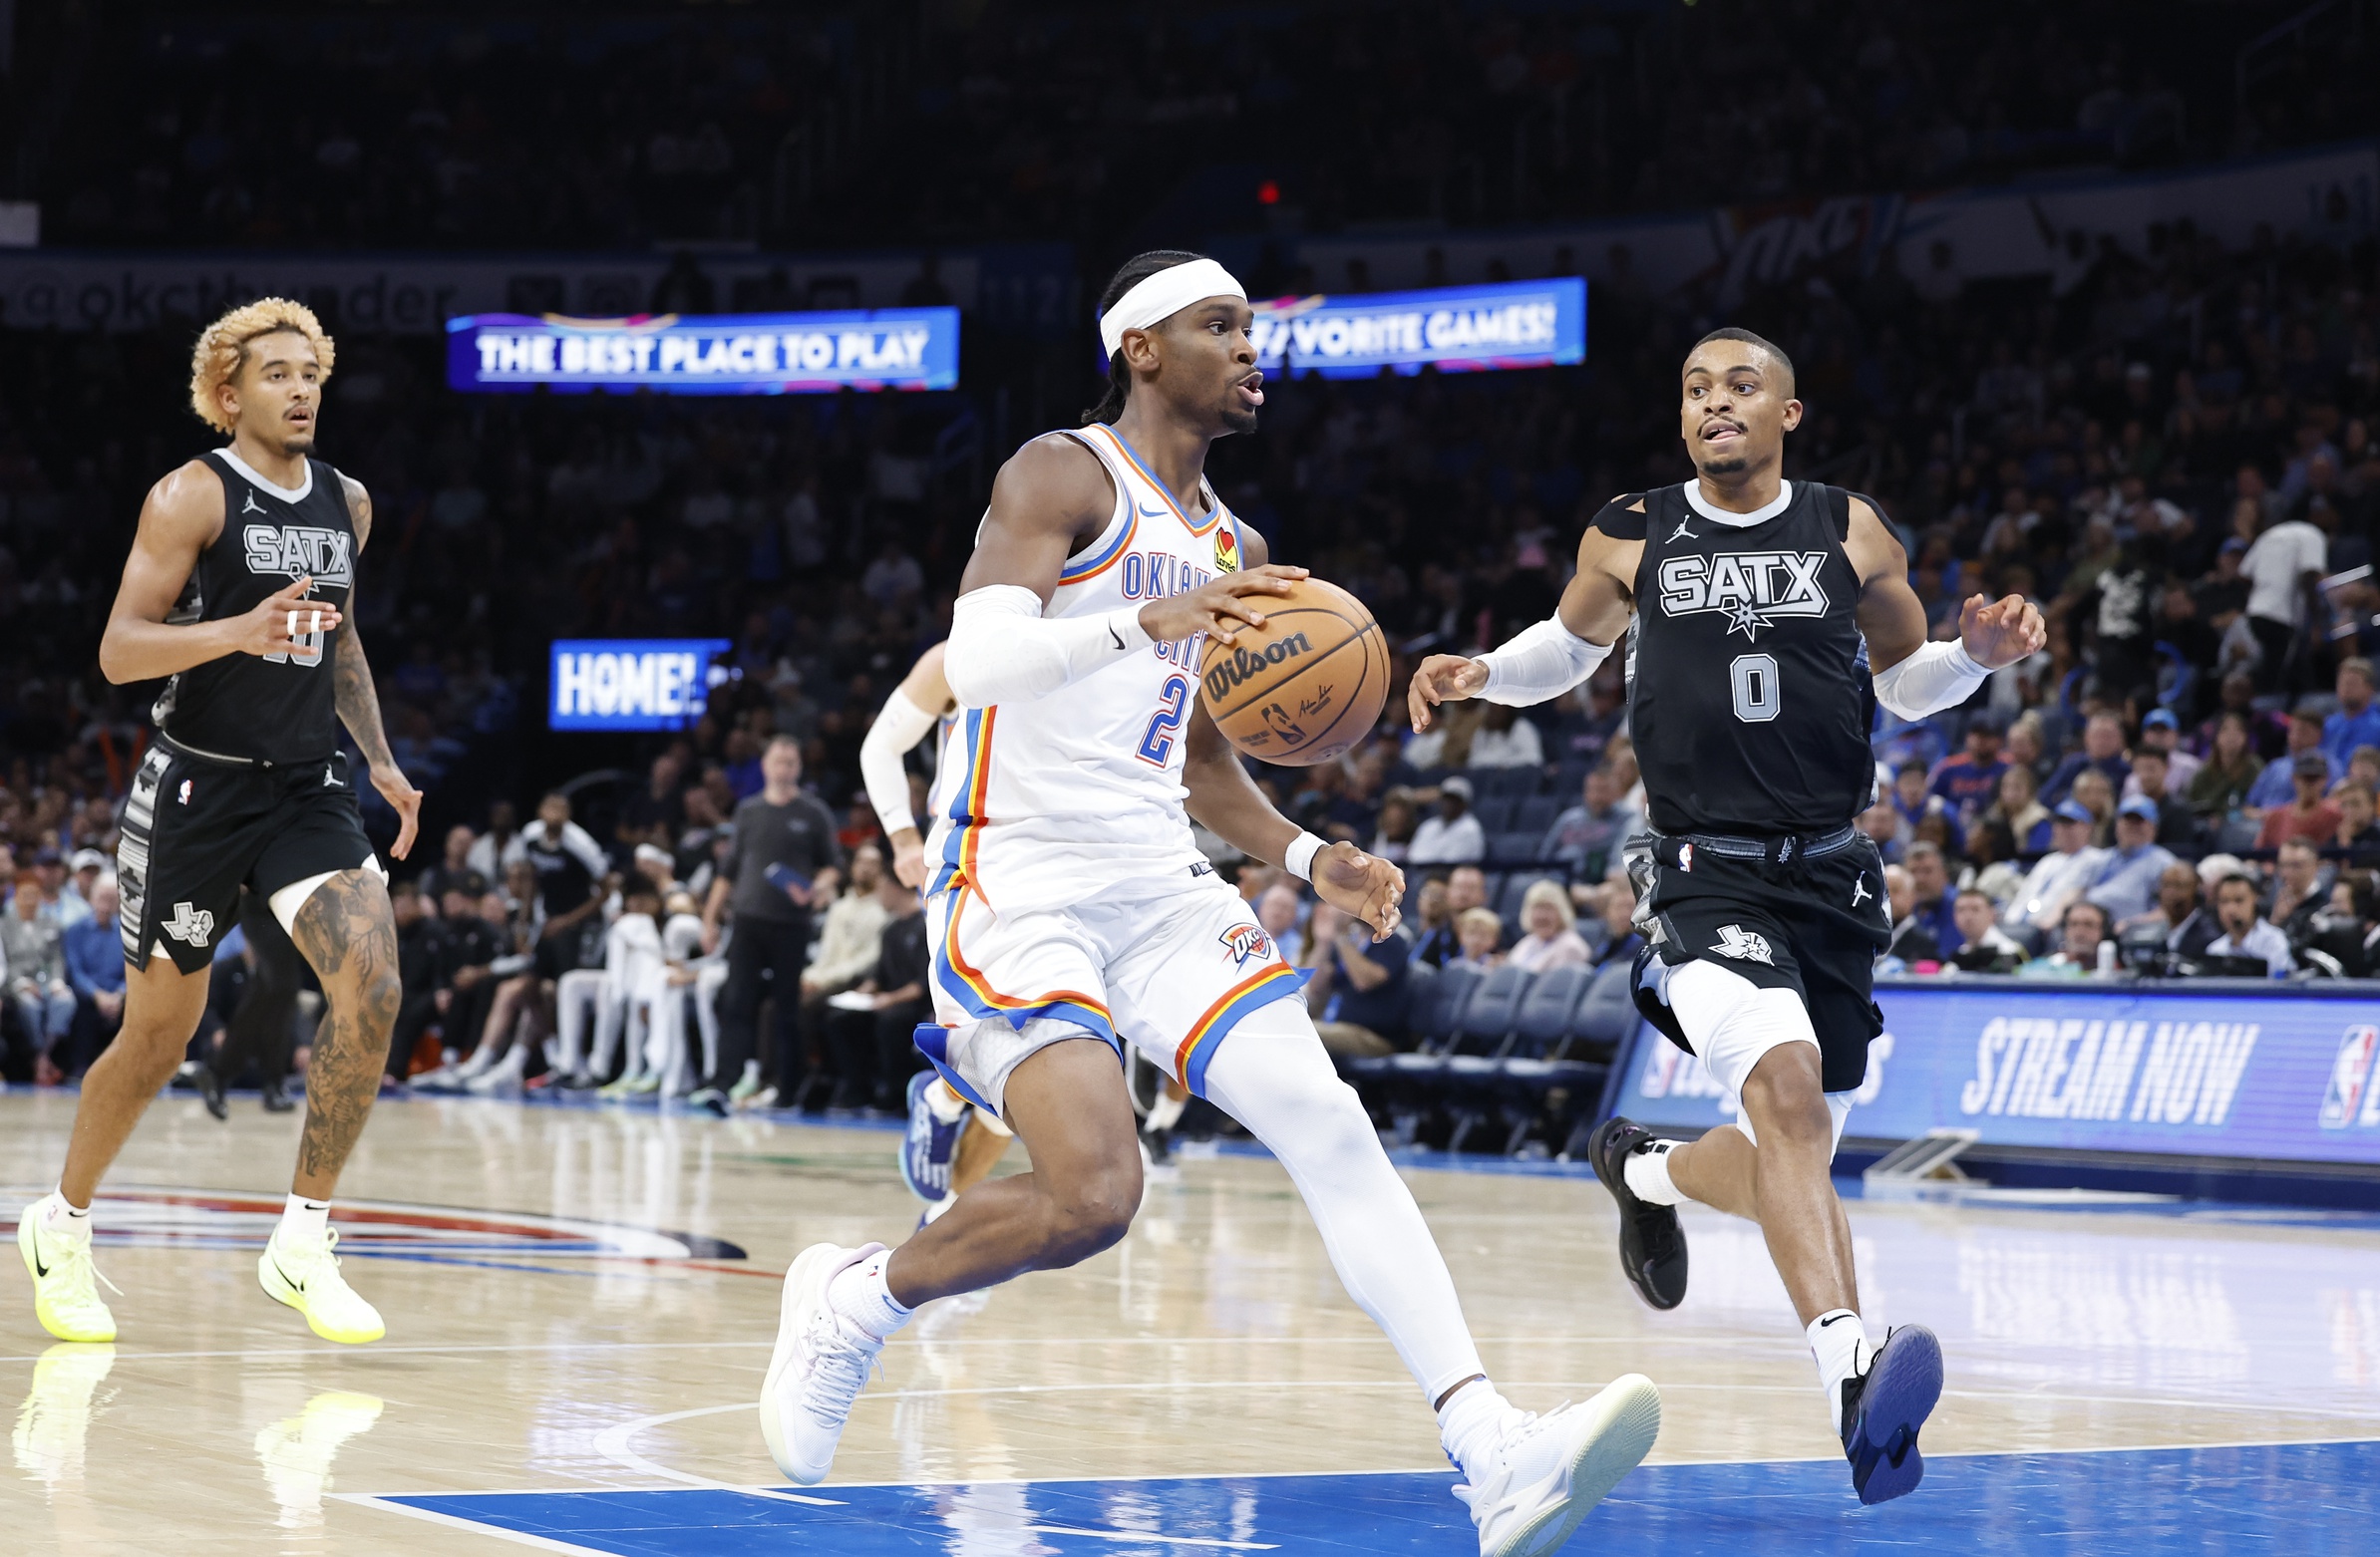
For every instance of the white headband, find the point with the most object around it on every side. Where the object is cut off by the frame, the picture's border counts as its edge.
(1164, 296)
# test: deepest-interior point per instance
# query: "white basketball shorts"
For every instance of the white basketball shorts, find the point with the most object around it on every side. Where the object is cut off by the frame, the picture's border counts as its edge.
(1168, 968)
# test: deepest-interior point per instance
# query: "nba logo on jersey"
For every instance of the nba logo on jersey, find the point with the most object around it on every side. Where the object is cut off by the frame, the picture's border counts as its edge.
(2351, 1080)
(185, 794)
(1246, 942)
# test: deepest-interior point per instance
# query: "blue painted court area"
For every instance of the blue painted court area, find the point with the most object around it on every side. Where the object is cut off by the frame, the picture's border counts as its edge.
(2293, 1499)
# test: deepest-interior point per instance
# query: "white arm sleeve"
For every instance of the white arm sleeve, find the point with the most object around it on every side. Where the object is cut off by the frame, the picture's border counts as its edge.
(899, 727)
(1544, 660)
(1003, 650)
(1937, 676)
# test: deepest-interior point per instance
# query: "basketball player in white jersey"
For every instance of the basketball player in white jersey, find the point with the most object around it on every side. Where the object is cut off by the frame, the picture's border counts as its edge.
(239, 573)
(1771, 616)
(1070, 915)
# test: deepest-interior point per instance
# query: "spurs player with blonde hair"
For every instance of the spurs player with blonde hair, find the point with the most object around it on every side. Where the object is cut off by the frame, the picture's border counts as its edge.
(1070, 915)
(236, 595)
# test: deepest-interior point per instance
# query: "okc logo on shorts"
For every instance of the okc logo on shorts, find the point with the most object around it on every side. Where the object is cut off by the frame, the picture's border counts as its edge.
(1247, 941)
(1744, 945)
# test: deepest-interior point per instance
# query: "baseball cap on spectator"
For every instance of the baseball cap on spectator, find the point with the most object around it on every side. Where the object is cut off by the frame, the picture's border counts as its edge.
(1458, 784)
(2311, 764)
(2138, 806)
(2160, 719)
(2216, 866)
(2073, 810)
(47, 856)
(89, 859)
(2230, 544)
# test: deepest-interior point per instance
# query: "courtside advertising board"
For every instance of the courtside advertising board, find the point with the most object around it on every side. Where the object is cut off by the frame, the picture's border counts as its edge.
(1458, 328)
(2230, 1074)
(707, 354)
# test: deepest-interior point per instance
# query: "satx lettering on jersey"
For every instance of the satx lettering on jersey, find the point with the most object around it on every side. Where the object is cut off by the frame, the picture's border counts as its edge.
(1224, 674)
(1752, 588)
(299, 551)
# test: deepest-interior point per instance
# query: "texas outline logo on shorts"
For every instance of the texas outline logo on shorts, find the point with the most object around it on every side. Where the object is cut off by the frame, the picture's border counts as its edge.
(190, 926)
(1744, 945)
(1246, 942)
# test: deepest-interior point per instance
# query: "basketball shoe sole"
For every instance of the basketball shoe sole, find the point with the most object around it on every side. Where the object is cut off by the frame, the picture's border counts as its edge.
(1614, 1434)
(1883, 1410)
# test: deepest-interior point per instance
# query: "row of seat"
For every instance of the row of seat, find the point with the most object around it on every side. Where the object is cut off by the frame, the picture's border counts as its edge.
(1501, 1041)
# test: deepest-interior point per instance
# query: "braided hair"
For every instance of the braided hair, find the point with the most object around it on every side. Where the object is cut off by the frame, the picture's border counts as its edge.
(1132, 273)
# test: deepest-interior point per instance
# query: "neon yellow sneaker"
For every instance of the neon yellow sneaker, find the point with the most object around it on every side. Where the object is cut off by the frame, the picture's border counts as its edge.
(65, 1283)
(308, 1280)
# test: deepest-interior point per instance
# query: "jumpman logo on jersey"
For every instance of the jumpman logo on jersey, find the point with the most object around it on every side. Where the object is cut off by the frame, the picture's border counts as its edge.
(1860, 892)
(251, 505)
(1683, 533)
(330, 780)
(1743, 945)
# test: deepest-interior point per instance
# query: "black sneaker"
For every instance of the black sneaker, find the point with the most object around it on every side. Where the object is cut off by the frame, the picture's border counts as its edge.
(1652, 1246)
(1883, 1409)
(277, 1099)
(1159, 1145)
(210, 1088)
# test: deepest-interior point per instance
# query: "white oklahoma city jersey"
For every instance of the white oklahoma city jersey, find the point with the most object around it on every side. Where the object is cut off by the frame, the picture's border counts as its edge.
(1042, 804)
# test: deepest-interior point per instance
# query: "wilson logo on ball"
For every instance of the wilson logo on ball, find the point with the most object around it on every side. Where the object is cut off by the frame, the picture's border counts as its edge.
(1224, 674)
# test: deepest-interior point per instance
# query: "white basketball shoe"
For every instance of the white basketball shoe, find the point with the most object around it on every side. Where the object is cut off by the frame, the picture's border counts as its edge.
(1548, 1471)
(821, 1365)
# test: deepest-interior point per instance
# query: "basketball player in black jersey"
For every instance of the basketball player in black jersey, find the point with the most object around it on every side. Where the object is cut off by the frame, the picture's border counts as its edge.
(1769, 616)
(236, 589)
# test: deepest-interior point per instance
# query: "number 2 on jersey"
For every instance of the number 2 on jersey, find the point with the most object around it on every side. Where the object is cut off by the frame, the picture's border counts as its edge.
(1156, 744)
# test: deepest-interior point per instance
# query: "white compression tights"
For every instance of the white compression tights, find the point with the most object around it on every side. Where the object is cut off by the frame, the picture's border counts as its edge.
(1273, 1075)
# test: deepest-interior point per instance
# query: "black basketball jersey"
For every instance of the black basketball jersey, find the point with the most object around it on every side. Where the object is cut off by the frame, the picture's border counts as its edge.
(1749, 699)
(278, 709)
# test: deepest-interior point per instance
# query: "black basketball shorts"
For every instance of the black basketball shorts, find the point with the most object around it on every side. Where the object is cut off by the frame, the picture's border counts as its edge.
(1813, 925)
(196, 830)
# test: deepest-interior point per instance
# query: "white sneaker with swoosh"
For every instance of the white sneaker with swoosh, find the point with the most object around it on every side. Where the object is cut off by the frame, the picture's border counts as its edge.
(1551, 1471)
(65, 1283)
(308, 1280)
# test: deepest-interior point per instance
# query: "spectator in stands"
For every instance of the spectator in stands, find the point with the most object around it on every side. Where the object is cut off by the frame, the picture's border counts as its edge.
(1466, 890)
(1278, 912)
(1479, 933)
(2357, 720)
(73, 894)
(2301, 888)
(1551, 939)
(2127, 877)
(2283, 568)
(2095, 792)
(453, 864)
(1505, 739)
(1912, 941)
(1400, 816)
(93, 951)
(1967, 782)
(418, 951)
(2244, 934)
(2358, 837)
(1885, 828)
(1358, 985)
(2061, 876)
(2176, 824)
(2278, 783)
(2229, 772)
(2177, 920)
(1930, 897)
(1915, 802)
(849, 945)
(1982, 946)
(2020, 816)
(872, 1046)
(466, 946)
(492, 851)
(32, 949)
(1453, 834)
(1615, 904)
(2308, 815)
(2103, 749)
(2081, 928)
(1587, 836)
(2161, 732)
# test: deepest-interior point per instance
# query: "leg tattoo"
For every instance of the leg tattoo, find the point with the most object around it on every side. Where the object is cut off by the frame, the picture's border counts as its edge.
(349, 934)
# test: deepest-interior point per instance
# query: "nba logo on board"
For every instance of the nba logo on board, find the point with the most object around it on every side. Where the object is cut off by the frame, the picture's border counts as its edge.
(1244, 941)
(2351, 1080)
(1226, 549)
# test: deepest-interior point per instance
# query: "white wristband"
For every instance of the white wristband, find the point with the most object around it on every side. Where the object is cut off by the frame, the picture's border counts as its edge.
(1938, 676)
(1298, 857)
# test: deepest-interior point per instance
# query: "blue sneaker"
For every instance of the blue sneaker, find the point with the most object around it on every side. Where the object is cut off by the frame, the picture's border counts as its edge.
(926, 1150)
(1883, 1409)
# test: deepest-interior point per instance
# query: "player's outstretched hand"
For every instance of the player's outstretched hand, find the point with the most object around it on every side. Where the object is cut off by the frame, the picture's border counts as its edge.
(908, 858)
(1361, 884)
(394, 788)
(2001, 632)
(1442, 678)
(281, 620)
(1219, 607)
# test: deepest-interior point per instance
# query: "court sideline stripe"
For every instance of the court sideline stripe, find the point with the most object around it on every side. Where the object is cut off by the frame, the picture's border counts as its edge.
(543, 1543)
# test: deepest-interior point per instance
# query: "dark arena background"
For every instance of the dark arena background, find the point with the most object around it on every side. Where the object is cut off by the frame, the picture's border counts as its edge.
(678, 348)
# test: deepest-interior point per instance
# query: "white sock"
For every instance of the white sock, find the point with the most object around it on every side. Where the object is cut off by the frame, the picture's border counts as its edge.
(61, 1220)
(1647, 1173)
(1839, 1340)
(304, 1221)
(860, 1297)
(1470, 1425)
(1166, 1110)
(946, 1105)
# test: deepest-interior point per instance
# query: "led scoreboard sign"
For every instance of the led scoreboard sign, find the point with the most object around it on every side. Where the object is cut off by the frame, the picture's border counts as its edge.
(707, 354)
(1455, 329)
(632, 683)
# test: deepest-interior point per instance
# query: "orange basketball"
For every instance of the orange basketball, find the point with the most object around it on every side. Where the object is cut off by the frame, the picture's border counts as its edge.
(1305, 686)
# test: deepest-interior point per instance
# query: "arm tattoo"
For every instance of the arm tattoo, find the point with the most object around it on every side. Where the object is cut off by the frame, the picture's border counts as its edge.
(359, 699)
